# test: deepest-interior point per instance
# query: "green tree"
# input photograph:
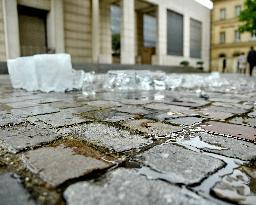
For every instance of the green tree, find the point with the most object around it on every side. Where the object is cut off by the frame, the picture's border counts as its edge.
(116, 44)
(248, 17)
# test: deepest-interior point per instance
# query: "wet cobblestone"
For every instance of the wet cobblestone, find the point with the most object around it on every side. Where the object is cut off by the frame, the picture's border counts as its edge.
(175, 146)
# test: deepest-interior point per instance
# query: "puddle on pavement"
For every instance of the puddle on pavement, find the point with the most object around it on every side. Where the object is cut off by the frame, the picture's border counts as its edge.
(153, 174)
(235, 183)
(196, 142)
(205, 187)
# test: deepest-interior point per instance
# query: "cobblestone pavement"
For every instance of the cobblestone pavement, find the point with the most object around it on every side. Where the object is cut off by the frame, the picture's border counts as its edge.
(181, 146)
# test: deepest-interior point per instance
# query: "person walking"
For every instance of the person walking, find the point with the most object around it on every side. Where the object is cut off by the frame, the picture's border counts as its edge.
(242, 63)
(224, 65)
(251, 59)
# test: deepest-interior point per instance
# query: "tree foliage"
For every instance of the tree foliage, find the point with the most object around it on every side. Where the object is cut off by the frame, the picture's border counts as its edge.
(248, 17)
(116, 44)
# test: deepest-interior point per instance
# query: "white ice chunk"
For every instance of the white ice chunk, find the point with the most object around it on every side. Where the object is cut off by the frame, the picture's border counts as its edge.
(22, 73)
(54, 72)
(46, 72)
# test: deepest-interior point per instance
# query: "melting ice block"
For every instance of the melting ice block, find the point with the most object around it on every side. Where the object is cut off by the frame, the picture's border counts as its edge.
(46, 72)
(135, 80)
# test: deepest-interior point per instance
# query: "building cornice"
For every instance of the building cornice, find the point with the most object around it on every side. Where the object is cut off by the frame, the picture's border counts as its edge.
(226, 21)
(234, 44)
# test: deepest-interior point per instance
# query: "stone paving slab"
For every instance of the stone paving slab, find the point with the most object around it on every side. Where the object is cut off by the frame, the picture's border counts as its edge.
(163, 106)
(125, 186)
(227, 109)
(10, 119)
(235, 149)
(190, 104)
(252, 114)
(12, 192)
(151, 128)
(215, 114)
(36, 110)
(185, 120)
(180, 165)
(110, 137)
(60, 119)
(238, 131)
(104, 104)
(108, 115)
(15, 139)
(132, 109)
(64, 104)
(244, 121)
(55, 165)
(15, 99)
(237, 107)
(238, 192)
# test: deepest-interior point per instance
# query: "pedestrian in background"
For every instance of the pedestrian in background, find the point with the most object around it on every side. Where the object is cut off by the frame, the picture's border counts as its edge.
(251, 59)
(242, 63)
(224, 65)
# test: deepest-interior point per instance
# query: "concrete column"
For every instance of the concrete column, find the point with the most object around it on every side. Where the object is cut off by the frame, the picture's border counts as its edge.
(105, 33)
(55, 27)
(11, 27)
(161, 49)
(186, 29)
(128, 32)
(95, 31)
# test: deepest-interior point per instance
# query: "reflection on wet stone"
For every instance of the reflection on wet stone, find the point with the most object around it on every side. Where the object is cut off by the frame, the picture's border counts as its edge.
(12, 192)
(234, 188)
(233, 148)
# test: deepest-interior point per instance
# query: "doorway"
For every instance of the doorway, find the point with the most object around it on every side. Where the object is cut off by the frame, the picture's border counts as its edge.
(32, 31)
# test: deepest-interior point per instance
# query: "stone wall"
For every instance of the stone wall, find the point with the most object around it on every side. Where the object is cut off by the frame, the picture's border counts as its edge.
(77, 29)
(2, 41)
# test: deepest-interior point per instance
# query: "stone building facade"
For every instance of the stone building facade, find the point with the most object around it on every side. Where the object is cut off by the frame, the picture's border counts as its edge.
(227, 42)
(84, 28)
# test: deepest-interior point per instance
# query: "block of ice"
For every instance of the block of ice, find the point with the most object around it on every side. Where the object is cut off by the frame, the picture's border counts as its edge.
(88, 86)
(135, 80)
(121, 80)
(46, 72)
(22, 73)
(54, 72)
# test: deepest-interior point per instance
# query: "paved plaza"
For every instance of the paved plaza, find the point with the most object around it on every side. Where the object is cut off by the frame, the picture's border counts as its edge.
(191, 145)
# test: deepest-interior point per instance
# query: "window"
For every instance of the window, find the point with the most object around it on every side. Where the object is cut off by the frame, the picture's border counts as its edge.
(195, 38)
(253, 36)
(237, 10)
(222, 37)
(149, 31)
(174, 33)
(237, 36)
(116, 14)
(222, 14)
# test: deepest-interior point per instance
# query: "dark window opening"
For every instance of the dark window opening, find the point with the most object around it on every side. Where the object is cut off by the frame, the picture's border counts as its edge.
(174, 33)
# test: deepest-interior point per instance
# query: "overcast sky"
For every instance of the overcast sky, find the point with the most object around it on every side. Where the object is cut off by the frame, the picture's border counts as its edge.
(207, 3)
